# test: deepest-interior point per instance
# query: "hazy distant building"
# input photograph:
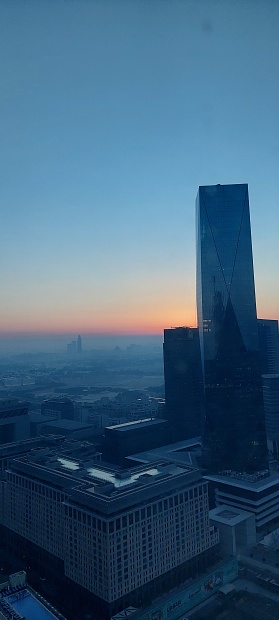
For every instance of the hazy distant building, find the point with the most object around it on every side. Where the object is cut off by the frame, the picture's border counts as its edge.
(271, 409)
(79, 344)
(72, 347)
(14, 420)
(123, 536)
(234, 436)
(184, 392)
(269, 346)
(60, 408)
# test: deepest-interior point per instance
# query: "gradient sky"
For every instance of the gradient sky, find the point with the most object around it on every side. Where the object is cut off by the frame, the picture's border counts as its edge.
(112, 114)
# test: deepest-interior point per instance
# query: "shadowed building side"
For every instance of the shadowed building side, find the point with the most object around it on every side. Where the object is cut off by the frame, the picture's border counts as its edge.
(184, 391)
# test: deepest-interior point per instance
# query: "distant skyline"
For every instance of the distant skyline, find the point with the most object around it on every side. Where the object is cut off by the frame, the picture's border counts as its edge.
(112, 115)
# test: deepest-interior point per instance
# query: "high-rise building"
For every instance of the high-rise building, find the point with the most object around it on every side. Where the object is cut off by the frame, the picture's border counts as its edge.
(184, 391)
(79, 344)
(269, 346)
(234, 436)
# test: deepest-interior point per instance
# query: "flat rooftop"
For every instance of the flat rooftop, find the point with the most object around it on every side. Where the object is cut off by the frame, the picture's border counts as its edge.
(88, 481)
(257, 486)
(179, 452)
(127, 426)
(229, 516)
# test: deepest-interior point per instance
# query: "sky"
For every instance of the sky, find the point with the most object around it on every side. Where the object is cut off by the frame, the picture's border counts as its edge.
(112, 114)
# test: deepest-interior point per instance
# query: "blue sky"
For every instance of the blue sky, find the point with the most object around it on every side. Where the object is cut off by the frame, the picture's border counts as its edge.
(112, 114)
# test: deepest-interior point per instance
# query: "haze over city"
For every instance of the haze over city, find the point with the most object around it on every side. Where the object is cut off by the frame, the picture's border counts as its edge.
(112, 115)
(139, 342)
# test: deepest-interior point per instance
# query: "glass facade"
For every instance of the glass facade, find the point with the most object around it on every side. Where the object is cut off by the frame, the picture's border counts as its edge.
(234, 430)
(183, 382)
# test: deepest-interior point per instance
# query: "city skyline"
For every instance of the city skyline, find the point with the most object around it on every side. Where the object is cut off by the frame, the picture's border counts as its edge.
(112, 116)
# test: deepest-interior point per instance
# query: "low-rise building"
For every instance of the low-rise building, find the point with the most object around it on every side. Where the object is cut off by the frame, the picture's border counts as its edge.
(255, 493)
(124, 536)
(14, 420)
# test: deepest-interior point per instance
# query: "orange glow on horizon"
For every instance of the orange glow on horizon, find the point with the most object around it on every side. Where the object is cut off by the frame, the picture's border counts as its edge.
(120, 325)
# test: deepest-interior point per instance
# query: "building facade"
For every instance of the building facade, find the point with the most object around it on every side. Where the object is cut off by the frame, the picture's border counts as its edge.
(184, 390)
(14, 420)
(271, 409)
(234, 431)
(269, 346)
(123, 536)
(123, 440)
(254, 493)
(59, 408)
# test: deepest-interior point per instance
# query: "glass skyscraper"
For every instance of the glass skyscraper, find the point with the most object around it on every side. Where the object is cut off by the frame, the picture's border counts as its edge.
(234, 429)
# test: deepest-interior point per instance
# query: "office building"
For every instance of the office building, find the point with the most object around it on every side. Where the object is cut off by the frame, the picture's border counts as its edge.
(60, 408)
(14, 420)
(184, 391)
(271, 409)
(123, 536)
(234, 431)
(254, 493)
(269, 346)
(237, 529)
(122, 440)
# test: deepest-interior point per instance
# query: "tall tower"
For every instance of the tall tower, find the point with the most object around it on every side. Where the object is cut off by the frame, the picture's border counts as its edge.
(269, 346)
(183, 382)
(79, 344)
(234, 436)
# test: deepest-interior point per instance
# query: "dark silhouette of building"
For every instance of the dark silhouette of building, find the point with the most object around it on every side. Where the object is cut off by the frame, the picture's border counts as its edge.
(61, 408)
(123, 440)
(269, 346)
(234, 432)
(184, 391)
(79, 344)
(14, 420)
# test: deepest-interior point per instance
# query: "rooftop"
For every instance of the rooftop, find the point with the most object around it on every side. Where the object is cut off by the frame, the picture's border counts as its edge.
(88, 481)
(257, 486)
(147, 422)
(229, 516)
(180, 452)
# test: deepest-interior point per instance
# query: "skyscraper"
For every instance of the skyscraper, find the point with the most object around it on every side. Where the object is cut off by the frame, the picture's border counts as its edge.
(234, 435)
(183, 382)
(269, 346)
(79, 344)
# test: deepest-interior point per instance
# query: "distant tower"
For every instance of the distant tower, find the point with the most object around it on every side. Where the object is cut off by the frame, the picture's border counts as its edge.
(234, 429)
(79, 344)
(72, 347)
(269, 346)
(183, 382)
